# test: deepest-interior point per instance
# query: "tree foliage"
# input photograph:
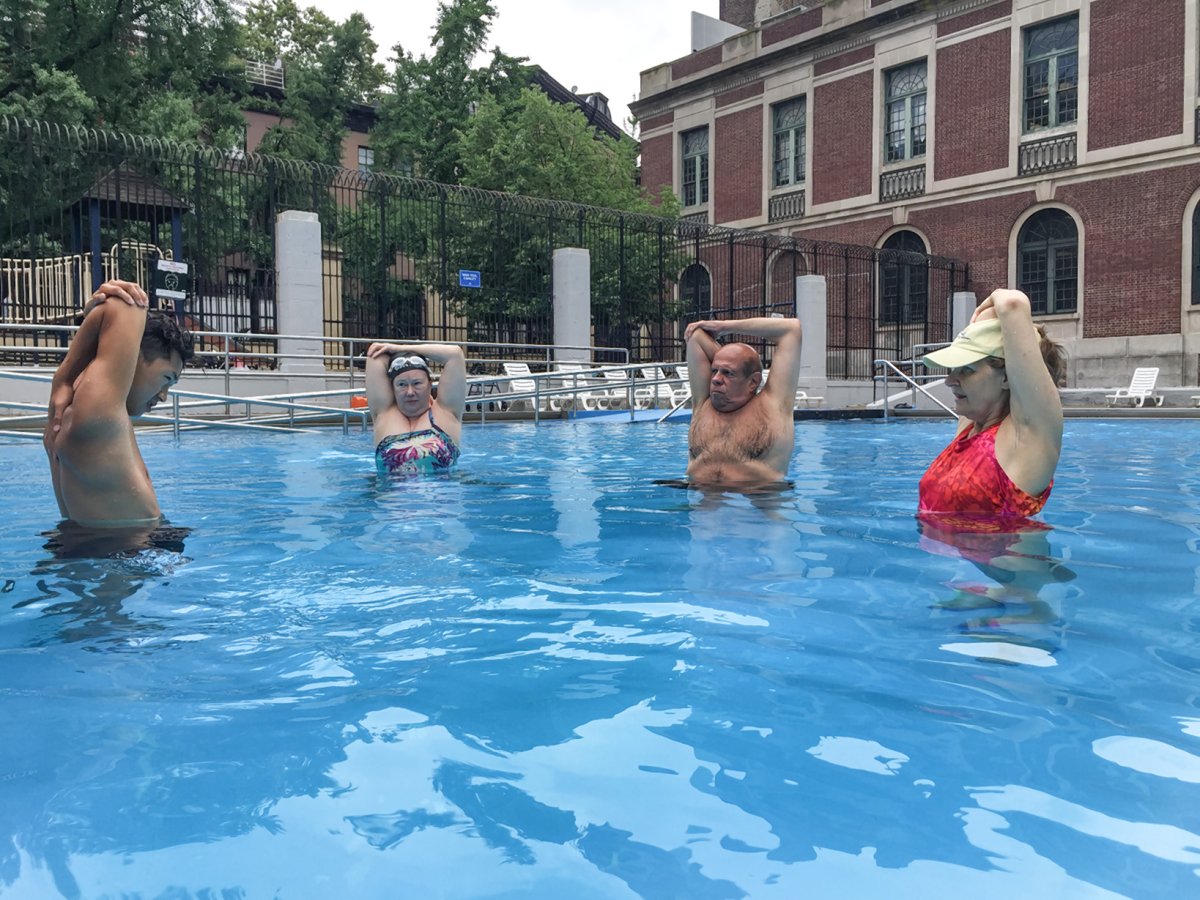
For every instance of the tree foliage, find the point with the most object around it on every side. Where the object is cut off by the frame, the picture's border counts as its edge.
(329, 67)
(146, 66)
(539, 148)
(432, 97)
(173, 69)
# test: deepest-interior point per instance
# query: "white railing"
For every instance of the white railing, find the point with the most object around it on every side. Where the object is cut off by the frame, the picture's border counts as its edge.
(889, 368)
(227, 352)
(56, 287)
(267, 74)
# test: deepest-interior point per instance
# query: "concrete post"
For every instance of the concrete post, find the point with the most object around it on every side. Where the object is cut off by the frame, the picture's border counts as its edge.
(962, 306)
(811, 306)
(573, 302)
(299, 298)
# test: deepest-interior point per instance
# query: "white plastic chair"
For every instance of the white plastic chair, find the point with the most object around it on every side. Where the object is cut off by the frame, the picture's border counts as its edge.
(807, 399)
(682, 391)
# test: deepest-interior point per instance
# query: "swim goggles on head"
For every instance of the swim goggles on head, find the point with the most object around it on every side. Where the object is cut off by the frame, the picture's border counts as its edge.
(403, 363)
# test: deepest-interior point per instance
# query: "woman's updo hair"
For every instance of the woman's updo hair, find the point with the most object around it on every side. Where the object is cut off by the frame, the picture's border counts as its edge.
(1054, 356)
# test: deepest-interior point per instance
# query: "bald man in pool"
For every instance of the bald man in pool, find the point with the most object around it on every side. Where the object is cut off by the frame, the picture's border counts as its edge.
(741, 436)
(122, 361)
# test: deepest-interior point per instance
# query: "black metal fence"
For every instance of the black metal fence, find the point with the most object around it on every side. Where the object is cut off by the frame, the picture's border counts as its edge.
(414, 259)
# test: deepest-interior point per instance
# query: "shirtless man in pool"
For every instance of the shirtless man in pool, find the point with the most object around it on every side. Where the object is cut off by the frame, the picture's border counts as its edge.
(122, 361)
(741, 436)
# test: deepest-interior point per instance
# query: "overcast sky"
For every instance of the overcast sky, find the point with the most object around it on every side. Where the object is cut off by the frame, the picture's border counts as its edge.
(594, 45)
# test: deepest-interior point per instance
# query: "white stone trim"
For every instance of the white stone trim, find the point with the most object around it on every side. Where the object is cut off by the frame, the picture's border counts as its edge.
(1003, 23)
(896, 229)
(1189, 315)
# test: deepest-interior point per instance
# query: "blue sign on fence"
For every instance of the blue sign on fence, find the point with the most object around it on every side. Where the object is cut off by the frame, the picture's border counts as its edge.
(469, 278)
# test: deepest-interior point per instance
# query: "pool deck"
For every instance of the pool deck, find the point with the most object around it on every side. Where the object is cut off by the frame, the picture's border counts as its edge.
(1069, 412)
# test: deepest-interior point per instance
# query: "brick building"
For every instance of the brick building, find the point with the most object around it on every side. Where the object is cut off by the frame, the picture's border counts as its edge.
(1051, 144)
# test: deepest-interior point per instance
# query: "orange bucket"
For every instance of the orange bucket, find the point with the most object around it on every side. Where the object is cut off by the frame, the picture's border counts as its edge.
(358, 401)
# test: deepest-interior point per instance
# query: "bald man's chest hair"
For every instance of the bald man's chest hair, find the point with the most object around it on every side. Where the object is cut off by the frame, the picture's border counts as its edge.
(746, 434)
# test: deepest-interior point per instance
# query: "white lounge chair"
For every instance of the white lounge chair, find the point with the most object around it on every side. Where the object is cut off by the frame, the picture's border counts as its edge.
(807, 399)
(683, 390)
(1141, 388)
(582, 394)
(656, 389)
(523, 385)
(801, 395)
(618, 381)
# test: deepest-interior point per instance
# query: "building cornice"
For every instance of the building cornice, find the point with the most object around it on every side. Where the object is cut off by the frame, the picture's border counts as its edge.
(822, 46)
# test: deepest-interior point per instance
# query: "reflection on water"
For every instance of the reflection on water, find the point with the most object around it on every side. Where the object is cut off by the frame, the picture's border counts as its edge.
(1015, 611)
(91, 572)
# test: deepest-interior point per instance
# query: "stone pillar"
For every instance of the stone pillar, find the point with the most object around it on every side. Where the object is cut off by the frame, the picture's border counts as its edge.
(962, 306)
(811, 306)
(573, 303)
(299, 299)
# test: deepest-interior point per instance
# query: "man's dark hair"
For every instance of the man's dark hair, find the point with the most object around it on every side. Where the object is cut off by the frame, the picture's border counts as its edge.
(162, 335)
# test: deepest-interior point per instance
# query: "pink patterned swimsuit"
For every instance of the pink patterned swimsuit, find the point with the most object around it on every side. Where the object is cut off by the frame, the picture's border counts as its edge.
(423, 452)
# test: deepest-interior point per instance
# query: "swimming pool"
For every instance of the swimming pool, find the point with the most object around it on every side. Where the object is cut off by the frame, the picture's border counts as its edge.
(546, 676)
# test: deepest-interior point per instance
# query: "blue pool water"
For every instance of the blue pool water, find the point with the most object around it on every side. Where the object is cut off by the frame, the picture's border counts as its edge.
(545, 676)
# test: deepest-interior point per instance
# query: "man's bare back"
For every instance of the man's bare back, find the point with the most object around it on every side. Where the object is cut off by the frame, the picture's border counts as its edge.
(102, 480)
(741, 436)
(108, 376)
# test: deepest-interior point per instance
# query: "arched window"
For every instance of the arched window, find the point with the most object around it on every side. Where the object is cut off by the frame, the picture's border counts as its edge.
(904, 276)
(1196, 255)
(695, 291)
(1048, 262)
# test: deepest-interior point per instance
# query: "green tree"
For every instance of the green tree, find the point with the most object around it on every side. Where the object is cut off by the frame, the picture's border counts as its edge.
(329, 67)
(433, 96)
(158, 67)
(539, 148)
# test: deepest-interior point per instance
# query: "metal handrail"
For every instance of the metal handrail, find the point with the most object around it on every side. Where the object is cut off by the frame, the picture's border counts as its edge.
(184, 400)
(177, 422)
(547, 351)
(888, 364)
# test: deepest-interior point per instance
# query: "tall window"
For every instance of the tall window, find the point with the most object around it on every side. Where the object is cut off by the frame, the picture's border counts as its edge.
(789, 120)
(905, 280)
(366, 159)
(1048, 262)
(694, 144)
(1196, 256)
(695, 291)
(905, 112)
(1052, 74)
